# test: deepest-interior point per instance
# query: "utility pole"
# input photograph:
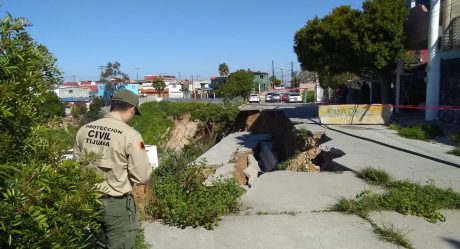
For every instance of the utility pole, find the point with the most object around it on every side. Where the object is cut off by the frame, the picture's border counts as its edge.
(193, 91)
(282, 76)
(273, 68)
(292, 74)
(74, 78)
(137, 73)
(101, 68)
(433, 66)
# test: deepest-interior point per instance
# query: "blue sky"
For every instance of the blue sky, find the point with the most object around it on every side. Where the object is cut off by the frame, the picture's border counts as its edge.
(169, 37)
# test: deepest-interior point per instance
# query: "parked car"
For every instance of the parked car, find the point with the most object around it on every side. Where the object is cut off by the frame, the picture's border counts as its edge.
(294, 97)
(275, 97)
(254, 98)
(268, 97)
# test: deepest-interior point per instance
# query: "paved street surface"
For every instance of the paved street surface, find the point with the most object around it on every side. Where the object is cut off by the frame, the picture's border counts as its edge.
(281, 209)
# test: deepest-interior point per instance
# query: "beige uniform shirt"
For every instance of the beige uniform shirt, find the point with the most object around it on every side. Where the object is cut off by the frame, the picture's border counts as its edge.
(123, 159)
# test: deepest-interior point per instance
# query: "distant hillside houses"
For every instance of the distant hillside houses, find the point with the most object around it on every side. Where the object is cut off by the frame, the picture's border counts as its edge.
(82, 92)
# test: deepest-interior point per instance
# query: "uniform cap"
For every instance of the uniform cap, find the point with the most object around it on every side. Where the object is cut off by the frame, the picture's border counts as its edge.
(129, 98)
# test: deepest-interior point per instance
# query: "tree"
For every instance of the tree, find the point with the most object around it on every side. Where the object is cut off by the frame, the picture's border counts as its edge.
(366, 43)
(159, 85)
(275, 81)
(115, 77)
(51, 107)
(240, 83)
(223, 69)
(113, 72)
(334, 81)
(94, 111)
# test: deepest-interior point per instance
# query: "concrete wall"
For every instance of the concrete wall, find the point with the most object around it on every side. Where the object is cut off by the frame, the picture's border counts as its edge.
(354, 114)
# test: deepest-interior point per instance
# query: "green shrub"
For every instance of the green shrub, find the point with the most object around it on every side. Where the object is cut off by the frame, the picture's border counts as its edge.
(49, 206)
(180, 198)
(310, 96)
(374, 176)
(78, 111)
(423, 131)
(44, 203)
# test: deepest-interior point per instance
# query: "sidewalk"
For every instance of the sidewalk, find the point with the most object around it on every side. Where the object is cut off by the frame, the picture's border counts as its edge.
(282, 209)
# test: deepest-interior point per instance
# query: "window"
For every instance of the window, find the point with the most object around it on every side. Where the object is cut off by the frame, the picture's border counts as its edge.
(70, 91)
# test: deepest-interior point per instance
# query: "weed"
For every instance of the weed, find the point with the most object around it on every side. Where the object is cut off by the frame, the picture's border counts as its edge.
(403, 197)
(455, 151)
(393, 127)
(283, 165)
(304, 133)
(364, 203)
(291, 213)
(455, 138)
(374, 176)
(392, 234)
(424, 131)
(262, 213)
(140, 240)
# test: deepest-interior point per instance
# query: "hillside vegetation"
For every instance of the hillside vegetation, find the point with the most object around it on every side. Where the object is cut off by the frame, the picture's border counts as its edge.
(156, 121)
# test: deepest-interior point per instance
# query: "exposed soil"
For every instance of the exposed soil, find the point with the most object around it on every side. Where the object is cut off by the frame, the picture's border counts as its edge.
(184, 130)
(300, 151)
(304, 161)
(240, 165)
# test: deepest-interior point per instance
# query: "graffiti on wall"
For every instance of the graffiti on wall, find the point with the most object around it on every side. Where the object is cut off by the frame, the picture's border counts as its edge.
(354, 114)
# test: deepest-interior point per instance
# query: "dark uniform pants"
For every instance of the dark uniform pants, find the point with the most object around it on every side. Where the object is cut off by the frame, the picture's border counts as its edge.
(119, 224)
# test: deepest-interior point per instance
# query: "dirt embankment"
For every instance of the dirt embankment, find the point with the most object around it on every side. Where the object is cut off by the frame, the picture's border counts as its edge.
(297, 149)
(183, 132)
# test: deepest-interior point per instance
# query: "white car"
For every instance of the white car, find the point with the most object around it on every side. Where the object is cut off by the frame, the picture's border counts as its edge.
(268, 97)
(294, 97)
(254, 98)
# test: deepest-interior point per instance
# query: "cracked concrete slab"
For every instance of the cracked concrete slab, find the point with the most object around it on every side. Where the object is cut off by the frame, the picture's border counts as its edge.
(421, 233)
(307, 231)
(300, 191)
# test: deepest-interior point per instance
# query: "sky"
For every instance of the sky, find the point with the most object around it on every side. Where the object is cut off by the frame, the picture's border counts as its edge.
(169, 37)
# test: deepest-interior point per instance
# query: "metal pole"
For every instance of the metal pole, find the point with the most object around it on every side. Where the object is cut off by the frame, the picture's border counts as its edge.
(433, 67)
(399, 71)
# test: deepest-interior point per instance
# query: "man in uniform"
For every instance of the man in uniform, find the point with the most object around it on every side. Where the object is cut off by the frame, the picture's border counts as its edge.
(123, 162)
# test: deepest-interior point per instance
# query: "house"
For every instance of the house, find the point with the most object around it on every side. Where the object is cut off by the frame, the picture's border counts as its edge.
(261, 81)
(175, 90)
(133, 87)
(72, 96)
(216, 82)
(92, 86)
(435, 81)
(201, 88)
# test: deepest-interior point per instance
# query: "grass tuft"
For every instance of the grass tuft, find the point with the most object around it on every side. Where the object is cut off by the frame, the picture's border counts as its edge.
(401, 196)
(374, 176)
(455, 151)
(424, 131)
(456, 139)
(392, 234)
